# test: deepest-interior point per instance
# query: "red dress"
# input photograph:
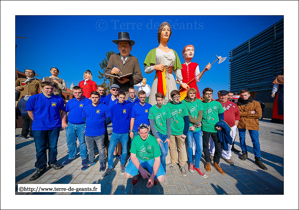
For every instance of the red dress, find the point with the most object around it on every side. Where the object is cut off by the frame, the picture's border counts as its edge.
(188, 73)
(88, 88)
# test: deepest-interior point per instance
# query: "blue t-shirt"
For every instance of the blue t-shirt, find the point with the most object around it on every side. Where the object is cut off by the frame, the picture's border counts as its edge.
(75, 108)
(102, 99)
(46, 111)
(95, 117)
(136, 101)
(120, 115)
(140, 113)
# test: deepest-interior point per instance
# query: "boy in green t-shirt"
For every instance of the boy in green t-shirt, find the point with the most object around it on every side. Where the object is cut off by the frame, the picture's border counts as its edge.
(212, 113)
(145, 154)
(160, 122)
(179, 130)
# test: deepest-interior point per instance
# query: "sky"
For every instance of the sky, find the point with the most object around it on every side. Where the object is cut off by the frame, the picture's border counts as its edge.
(74, 44)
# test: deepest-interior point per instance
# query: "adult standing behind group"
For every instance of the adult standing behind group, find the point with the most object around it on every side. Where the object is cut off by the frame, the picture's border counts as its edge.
(58, 83)
(124, 63)
(87, 85)
(27, 85)
(44, 109)
(164, 61)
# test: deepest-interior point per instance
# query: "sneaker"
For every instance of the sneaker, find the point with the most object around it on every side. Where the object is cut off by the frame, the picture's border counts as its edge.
(135, 179)
(201, 172)
(24, 137)
(171, 165)
(191, 168)
(67, 162)
(107, 172)
(30, 137)
(86, 166)
(244, 156)
(103, 166)
(56, 166)
(122, 169)
(229, 161)
(84, 161)
(260, 164)
(183, 171)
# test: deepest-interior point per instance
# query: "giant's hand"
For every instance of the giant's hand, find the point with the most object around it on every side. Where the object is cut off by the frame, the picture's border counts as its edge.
(185, 86)
(20, 88)
(115, 70)
(273, 95)
(159, 67)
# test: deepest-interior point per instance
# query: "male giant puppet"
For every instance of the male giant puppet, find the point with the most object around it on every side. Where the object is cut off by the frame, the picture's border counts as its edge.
(124, 63)
(190, 71)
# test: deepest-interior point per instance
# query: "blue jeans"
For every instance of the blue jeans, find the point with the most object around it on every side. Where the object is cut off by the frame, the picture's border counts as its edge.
(42, 139)
(255, 141)
(198, 152)
(99, 140)
(164, 149)
(74, 131)
(115, 138)
(135, 133)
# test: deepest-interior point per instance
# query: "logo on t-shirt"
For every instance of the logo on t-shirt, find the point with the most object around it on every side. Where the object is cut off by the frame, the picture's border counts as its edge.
(124, 111)
(215, 107)
(98, 111)
(53, 103)
(81, 105)
(146, 111)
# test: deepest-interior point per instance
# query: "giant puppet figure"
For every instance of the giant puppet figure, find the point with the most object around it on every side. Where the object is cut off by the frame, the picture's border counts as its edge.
(59, 84)
(164, 61)
(87, 84)
(277, 113)
(190, 71)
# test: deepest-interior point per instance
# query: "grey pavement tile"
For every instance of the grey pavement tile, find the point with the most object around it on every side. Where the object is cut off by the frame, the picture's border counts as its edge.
(211, 180)
(78, 179)
(196, 184)
(184, 193)
(191, 190)
(170, 181)
(180, 186)
(225, 187)
(186, 180)
(202, 191)
(173, 190)
(209, 189)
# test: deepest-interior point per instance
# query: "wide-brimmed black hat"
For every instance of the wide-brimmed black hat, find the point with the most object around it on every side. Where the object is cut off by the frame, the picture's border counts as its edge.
(124, 36)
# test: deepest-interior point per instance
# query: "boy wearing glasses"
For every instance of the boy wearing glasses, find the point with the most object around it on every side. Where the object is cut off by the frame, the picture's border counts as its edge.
(212, 113)
(145, 156)
(179, 130)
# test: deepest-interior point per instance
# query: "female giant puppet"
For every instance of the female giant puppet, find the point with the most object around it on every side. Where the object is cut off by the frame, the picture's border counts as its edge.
(164, 61)
(190, 70)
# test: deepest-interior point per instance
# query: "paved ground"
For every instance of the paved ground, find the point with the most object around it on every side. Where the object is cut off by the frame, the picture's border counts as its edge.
(243, 178)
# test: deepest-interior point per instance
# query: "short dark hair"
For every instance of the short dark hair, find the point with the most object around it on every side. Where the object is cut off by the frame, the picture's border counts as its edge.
(121, 93)
(30, 70)
(244, 91)
(159, 95)
(43, 84)
(132, 88)
(231, 92)
(174, 92)
(102, 86)
(207, 89)
(141, 92)
(95, 93)
(142, 126)
(77, 88)
(54, 68)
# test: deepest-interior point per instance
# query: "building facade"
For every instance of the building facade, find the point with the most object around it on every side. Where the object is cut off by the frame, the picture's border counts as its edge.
(255, 64)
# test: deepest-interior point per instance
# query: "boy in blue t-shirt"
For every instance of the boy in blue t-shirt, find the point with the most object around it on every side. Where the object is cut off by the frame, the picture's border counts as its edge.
(44, 109)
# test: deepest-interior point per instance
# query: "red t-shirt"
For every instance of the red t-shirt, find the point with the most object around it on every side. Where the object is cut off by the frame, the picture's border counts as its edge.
(231, 112)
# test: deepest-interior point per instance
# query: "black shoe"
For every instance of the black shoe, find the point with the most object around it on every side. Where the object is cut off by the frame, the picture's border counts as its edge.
(56, 166)
(244, 156)
(38, 173)
(235, 150)
(260, 164)
(122, 169)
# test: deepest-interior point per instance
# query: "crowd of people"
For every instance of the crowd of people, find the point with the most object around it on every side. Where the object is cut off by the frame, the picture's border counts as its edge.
(178, 121)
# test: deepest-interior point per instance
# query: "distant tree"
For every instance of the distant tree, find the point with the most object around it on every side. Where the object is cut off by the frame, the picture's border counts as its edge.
(103, 64)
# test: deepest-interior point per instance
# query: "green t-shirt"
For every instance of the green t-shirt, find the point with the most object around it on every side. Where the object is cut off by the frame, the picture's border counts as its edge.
(210, 116)
(193, 108)
(145, 149)
(160, 116)
(178, 112)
